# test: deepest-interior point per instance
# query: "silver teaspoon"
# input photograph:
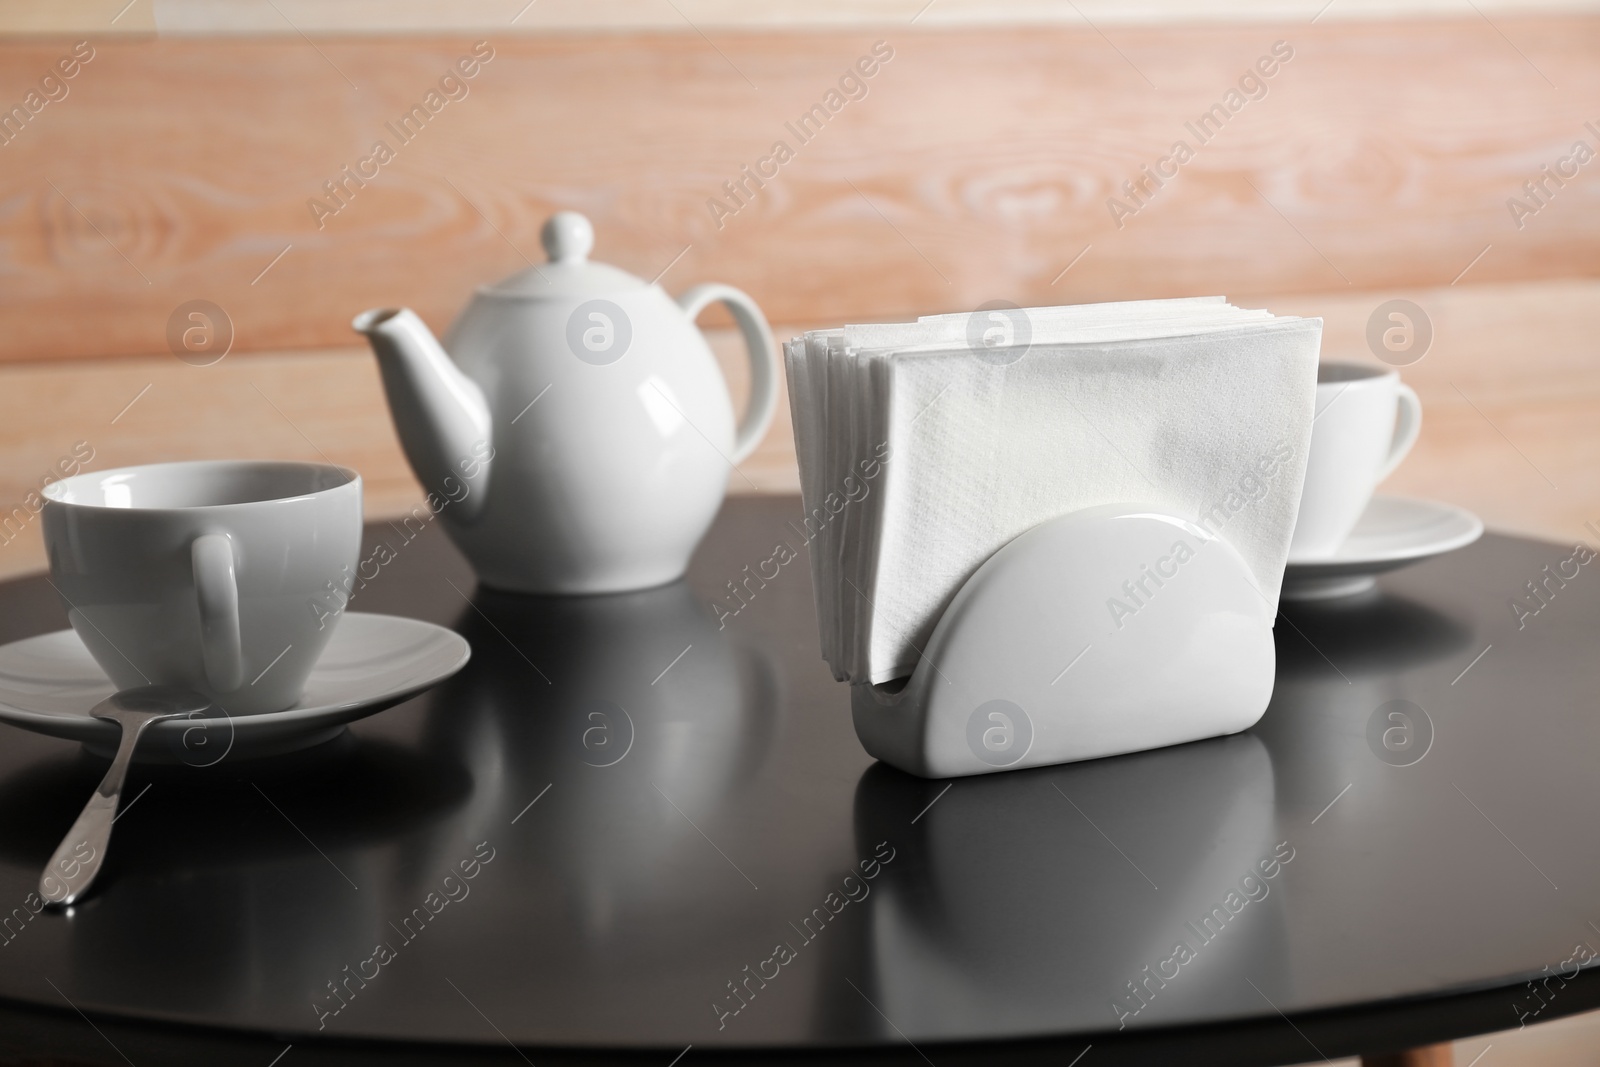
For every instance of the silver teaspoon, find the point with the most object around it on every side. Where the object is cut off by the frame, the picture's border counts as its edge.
(78, 858)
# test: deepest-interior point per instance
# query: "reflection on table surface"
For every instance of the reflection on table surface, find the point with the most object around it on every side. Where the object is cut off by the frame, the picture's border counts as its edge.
(637, 699)
(996, 897)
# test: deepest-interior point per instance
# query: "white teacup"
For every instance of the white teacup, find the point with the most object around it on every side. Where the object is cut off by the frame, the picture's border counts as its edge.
(1366, 422)
(214, 575)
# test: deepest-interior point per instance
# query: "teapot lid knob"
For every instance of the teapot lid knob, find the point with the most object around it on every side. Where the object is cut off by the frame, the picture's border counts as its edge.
(567, 237)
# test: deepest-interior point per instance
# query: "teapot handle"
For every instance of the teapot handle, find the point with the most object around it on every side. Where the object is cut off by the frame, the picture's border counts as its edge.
(763, 355)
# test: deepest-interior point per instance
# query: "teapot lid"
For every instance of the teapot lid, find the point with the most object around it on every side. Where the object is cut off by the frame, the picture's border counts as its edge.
(567, 238)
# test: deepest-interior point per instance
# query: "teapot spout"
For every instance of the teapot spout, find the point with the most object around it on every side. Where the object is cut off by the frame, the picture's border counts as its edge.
(440, 414)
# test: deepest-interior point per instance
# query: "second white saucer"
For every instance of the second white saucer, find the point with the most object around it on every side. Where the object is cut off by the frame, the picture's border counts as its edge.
(1393, 532)
(48, 684)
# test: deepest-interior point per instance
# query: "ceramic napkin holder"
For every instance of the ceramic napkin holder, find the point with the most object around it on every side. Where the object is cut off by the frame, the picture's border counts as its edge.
(1112, 629)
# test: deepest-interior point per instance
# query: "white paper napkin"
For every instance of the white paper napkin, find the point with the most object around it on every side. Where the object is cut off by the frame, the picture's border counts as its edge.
(920, 457)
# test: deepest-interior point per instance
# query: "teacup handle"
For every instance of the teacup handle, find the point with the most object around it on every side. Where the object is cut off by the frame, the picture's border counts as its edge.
(1408, 425)
(763, 355)
(217, 591)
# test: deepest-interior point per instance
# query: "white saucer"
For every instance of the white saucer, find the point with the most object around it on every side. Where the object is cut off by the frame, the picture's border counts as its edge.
(48, 684)
(1393, 532)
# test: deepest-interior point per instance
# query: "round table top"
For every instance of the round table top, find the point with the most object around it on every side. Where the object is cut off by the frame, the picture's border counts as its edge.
(622, 829)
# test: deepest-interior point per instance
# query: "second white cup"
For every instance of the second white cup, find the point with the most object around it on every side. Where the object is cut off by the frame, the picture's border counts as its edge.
(1367, 419)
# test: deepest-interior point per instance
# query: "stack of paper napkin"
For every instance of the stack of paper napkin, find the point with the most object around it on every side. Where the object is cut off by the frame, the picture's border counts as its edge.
(924, 447)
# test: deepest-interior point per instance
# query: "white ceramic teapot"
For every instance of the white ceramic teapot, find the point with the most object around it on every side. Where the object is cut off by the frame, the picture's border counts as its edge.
(578, 437)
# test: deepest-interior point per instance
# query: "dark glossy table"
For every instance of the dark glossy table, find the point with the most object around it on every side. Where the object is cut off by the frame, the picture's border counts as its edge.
(656, 806)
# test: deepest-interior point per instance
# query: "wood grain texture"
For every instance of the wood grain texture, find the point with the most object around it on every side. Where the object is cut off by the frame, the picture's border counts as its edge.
(977, 167)
(1510, 391)
(377, 17)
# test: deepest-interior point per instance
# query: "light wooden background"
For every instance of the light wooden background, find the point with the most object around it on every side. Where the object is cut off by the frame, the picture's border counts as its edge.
(323, 18)
(977, 167)
(1510, 388)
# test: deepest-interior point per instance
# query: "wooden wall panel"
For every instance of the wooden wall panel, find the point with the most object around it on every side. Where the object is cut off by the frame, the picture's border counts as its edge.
(1510, 389)
(379, 17)
(977, 167)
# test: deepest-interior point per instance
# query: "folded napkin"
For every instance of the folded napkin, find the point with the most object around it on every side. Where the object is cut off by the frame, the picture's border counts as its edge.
(923, 450)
